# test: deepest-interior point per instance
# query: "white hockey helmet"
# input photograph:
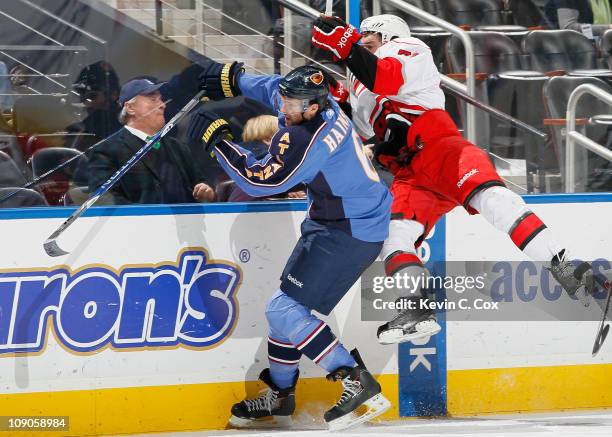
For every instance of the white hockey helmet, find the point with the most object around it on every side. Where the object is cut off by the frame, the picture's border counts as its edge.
(389, 26)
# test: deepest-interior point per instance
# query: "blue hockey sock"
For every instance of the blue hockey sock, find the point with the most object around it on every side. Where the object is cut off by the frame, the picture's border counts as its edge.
(283, 375)
(321, 346)
(284, 359)
(337, 357)
(295, 331)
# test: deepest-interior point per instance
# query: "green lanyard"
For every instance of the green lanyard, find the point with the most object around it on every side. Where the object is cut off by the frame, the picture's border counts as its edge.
(156, 145)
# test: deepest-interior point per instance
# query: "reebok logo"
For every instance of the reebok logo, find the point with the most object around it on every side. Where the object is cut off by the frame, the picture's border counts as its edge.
(466, 176)
(346, 36)
(294, 281)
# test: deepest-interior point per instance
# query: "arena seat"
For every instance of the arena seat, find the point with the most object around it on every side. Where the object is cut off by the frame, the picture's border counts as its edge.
(605, 47)
(559, 51)
(526, 13)
(56, 184)
(413, 22)
(471, 12)
(49, 158)
(23, 197)
(493, 52)
(10, 176)
(556, 96)
(518, 93)
(435, 38)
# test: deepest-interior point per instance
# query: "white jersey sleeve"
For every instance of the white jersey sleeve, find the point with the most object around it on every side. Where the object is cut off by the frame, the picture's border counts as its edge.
(405, 75)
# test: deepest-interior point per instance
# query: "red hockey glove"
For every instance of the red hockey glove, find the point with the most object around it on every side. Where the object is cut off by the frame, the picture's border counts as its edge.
(336, 89)
(333, 35)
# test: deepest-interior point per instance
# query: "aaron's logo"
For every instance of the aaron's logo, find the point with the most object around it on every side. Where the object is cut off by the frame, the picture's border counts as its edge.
(190, 302)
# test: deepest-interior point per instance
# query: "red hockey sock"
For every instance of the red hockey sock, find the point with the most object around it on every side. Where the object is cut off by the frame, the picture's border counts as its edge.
(398, 260)
(525, 229)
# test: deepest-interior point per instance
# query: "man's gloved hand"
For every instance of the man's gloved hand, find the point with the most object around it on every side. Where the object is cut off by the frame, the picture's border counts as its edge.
(209, 128)
(396, 136)
(336, 89)
(221, 80)
(334, 35)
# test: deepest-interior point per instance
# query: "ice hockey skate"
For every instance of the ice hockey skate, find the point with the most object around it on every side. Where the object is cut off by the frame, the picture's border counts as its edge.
(577, 280)
(361, 399)
(412, 323)
(271, 409)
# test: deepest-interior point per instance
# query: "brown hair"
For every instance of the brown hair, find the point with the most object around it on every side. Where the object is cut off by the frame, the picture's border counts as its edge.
(262, 127)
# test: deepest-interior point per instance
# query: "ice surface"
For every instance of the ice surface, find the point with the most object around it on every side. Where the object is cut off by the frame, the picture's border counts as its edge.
(568, 424)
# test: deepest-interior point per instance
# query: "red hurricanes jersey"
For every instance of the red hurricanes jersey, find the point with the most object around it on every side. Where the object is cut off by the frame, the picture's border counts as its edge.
(406, 81)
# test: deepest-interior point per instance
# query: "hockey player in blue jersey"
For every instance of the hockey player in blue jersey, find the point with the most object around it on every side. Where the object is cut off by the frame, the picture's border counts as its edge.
(346, 224)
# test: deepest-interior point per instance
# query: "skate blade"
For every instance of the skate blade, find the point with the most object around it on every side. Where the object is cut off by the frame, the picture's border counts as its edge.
(426, 328)
(264, 422)
(374, 407)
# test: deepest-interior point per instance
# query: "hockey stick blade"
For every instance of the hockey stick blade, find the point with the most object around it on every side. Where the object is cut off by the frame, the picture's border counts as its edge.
(601, 337)
(52, 248)
(50, 245)
(604, 328)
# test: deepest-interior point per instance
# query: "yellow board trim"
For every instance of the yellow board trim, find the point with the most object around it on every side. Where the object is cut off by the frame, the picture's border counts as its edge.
(169, 408)
(513, 390)
(206, 406)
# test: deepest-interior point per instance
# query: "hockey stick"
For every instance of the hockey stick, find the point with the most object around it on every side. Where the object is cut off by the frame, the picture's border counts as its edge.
(497, 113)
(50, 245)
(329, 7)
(604, 328)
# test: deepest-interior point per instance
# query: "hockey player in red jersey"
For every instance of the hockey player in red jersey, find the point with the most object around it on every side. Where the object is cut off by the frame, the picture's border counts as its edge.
(395, 95)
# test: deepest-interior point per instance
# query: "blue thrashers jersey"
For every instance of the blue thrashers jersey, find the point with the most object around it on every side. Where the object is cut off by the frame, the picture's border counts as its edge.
(326, 155)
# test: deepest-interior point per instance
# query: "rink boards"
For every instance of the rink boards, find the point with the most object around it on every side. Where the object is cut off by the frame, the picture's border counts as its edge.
(78, 339)
(530, 366)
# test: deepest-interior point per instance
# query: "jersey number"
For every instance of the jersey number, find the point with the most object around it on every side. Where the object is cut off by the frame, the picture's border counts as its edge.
(406, 53)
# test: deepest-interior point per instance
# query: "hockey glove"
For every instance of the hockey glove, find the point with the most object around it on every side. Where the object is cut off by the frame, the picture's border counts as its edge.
(333, 35)
(209, 128)
(221, 80)
(396, 136)
(336, 89)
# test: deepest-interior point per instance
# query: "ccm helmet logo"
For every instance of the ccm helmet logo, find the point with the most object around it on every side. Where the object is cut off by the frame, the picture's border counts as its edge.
(346, 36)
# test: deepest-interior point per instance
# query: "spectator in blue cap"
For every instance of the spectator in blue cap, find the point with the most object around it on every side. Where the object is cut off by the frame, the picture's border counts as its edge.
(166, 174)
